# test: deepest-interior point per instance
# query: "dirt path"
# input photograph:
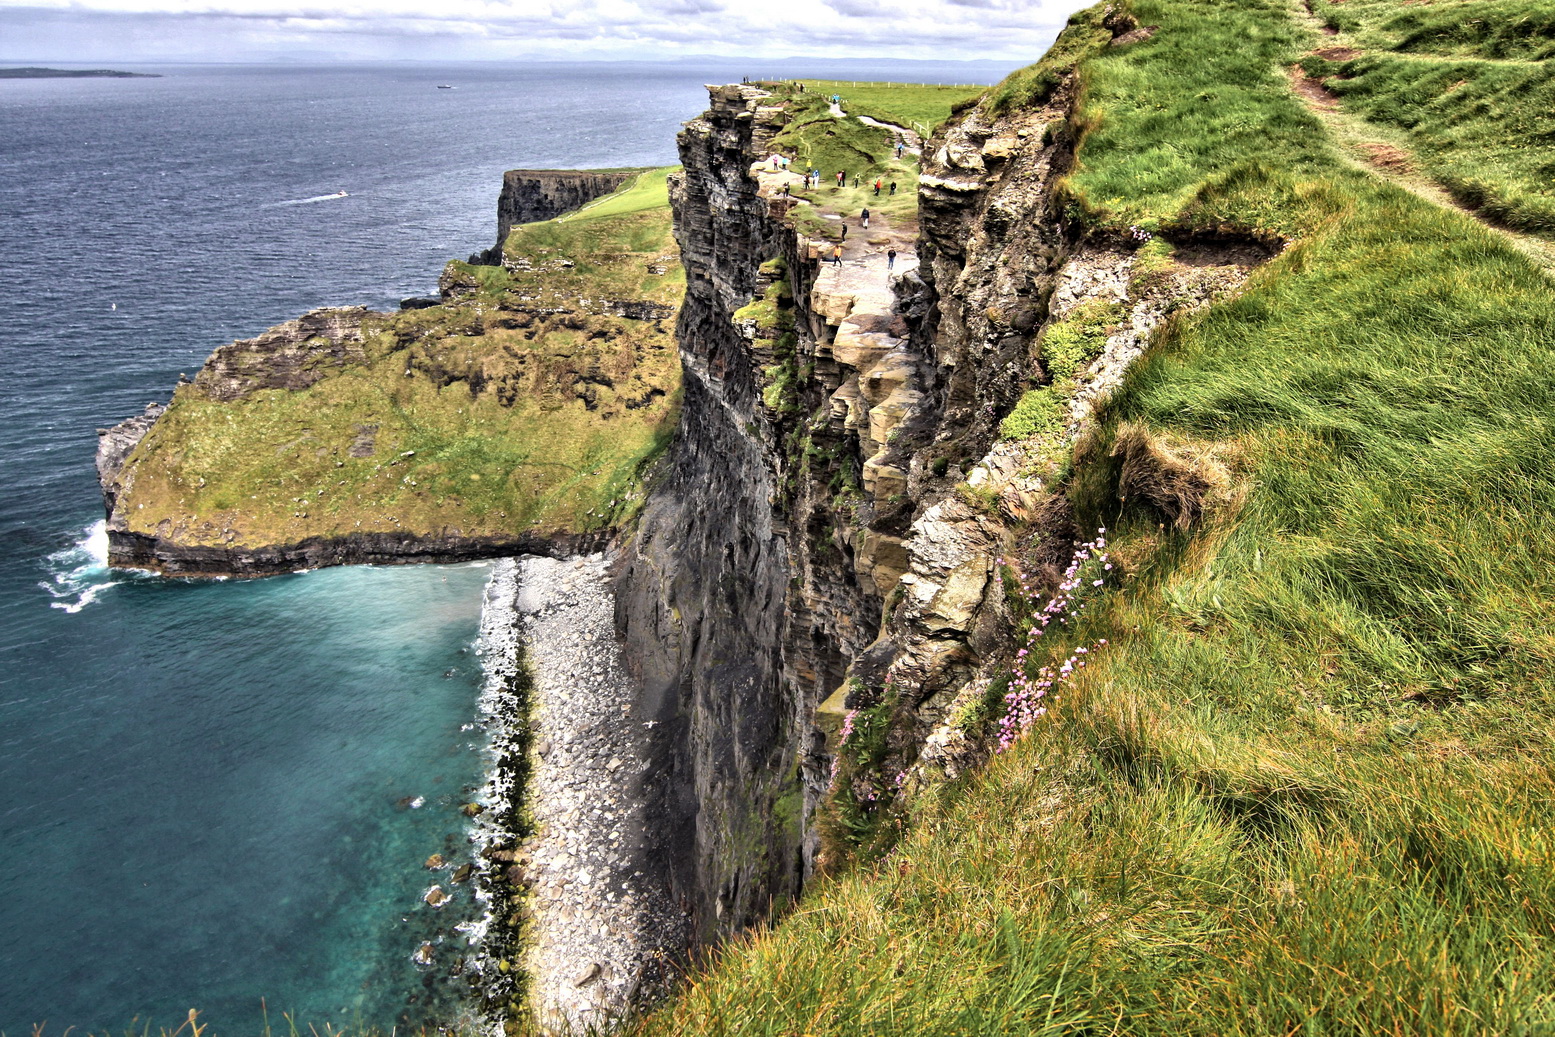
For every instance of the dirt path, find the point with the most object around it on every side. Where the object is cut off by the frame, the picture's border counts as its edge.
(866, 262)
(908, 139)
(1387, 154)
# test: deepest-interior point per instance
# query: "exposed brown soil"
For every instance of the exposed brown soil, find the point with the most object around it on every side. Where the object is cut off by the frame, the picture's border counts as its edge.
(1338, 53)
(1386, 156)
(1316, 94)
(1203, 250)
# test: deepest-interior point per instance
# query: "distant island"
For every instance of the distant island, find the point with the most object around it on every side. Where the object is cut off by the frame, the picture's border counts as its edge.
(65, 73)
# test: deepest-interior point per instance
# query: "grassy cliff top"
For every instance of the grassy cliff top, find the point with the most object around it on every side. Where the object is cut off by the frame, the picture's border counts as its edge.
(915, 106)
(1305, 783)
(530, 401)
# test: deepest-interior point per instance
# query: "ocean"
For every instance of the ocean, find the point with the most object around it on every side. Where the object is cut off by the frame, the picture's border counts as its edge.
(220, 795)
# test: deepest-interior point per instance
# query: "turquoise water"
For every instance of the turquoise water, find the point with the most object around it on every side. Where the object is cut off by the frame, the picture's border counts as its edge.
(236, 798)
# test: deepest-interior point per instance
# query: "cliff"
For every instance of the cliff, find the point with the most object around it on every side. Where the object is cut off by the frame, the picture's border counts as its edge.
(1191, 507)
(534, 195)
(519, 413)
(844, 485)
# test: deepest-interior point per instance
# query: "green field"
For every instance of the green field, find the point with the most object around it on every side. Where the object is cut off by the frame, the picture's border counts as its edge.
(1306, 785)
(483, 415)
(915, 106)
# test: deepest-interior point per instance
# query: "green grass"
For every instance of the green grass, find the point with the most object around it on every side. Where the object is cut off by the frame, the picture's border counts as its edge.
(1033, 85)
(1484, 131)
(486, 417)
(916, 106)
(1473, 86)
(1306, 787)
(814, 139)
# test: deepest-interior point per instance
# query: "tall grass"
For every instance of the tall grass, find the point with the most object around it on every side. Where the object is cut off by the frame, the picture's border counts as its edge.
(1308, 786)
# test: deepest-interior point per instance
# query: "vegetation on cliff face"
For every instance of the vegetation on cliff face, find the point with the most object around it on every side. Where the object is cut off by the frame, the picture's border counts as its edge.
(528, 401)
(1303, 784)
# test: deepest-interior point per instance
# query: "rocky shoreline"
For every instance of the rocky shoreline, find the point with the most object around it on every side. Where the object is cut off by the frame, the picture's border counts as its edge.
(131, 550)
(581, 924)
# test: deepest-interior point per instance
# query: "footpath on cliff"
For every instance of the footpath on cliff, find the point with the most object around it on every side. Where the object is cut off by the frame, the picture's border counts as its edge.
(861, 262)
(1388, 152)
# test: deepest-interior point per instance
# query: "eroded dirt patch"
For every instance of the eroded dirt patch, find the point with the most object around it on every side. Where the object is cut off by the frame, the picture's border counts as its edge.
(1313, 90)
(1386, 156)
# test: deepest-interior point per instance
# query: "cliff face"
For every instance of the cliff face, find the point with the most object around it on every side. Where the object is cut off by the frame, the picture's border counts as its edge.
(703, 595)
(531, 195)
(753, 584)
(840, 499)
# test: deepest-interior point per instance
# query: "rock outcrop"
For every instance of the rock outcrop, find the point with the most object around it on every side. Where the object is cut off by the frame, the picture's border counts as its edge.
(293, 355)
(114, 446)
(840, 497)
(530, 195)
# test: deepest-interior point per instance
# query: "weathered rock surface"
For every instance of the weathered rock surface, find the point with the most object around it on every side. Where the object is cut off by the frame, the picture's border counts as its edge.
(530, 195)
(803, 549)
(293, 355)
(132, 550)
(114, 446)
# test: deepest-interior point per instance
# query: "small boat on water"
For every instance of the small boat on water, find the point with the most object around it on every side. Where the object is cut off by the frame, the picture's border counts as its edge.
(444, 86)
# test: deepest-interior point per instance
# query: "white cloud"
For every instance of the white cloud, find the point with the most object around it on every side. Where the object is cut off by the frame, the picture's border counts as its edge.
(1016, 30)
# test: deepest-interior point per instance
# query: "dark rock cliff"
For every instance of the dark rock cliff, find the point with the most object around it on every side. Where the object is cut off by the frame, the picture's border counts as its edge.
(824, 535)
(703, 595)
(530, 195)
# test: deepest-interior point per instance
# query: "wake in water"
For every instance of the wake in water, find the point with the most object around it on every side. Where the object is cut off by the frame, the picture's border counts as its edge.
(80, 572)
(309, 201)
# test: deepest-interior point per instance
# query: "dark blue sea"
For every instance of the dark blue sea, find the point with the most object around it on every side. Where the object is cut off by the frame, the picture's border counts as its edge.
(218, 795)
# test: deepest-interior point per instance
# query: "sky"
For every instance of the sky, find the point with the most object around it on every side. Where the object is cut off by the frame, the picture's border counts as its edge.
(85, 31)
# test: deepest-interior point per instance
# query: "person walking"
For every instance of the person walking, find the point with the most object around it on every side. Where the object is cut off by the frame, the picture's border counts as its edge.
(836, 256)
(864, 216)
(877, 187)
(893, 186)
(844, 232)
(890, 259)
(898, 149)
(841, 177)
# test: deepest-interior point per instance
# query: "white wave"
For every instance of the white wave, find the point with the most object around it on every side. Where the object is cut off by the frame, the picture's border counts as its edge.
(80, 573)
(310, 201)
(497, 646)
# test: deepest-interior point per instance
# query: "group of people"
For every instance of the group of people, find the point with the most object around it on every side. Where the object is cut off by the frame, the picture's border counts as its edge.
(890, 257)
(812, 179)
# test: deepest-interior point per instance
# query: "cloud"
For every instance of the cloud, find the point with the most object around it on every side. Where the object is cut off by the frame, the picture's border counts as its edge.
(1015, 30)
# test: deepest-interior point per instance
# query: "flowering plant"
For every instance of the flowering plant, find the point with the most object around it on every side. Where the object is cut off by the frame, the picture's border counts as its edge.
(1085, 577)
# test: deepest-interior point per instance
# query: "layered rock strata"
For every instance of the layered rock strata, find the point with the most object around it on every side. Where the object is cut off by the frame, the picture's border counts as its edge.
(531, 195)
(839, 497)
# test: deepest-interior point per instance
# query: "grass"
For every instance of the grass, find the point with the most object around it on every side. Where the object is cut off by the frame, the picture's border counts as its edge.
(814, 139)
(483, 416)
(1306, 785)
(1471, 84)
(915, 106)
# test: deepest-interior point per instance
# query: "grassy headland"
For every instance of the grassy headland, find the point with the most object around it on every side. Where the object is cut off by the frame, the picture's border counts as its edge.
(814, 138)
(530, 401)
(1304, 784)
